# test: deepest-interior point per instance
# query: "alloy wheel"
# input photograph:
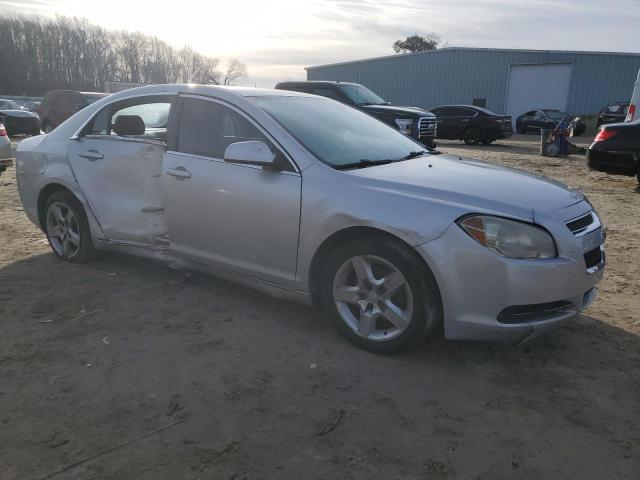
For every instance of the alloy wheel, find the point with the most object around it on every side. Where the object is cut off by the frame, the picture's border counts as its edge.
(63, 230)
(373, 298)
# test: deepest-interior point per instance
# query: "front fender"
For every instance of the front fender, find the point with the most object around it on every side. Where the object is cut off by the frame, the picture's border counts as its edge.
(332, 203)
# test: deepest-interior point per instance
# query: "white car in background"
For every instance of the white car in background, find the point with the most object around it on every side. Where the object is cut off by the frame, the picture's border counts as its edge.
(6, 154)
(632, 113)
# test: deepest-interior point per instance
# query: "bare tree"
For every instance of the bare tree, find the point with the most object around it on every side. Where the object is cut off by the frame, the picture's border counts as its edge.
(236, 70)
(39, 54)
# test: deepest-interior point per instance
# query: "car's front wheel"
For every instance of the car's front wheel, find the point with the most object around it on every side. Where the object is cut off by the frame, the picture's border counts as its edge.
(520, 128)
(381, 295)
(67, 228)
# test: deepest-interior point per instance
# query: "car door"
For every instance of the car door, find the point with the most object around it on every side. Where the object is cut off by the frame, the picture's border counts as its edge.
(528, 120)
(117, 162)
(460, 119)
(239, 218)
(540, 119)
(445, 122)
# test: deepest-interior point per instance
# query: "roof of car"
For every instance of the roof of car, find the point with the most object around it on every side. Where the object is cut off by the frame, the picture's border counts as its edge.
(316, 82)
(207, 89)
(461, 106)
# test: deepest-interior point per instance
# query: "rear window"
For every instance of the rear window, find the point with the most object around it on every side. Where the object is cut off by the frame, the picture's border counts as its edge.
(485, 111)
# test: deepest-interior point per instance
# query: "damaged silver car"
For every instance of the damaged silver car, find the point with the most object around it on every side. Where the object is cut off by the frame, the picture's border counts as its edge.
(308, 199)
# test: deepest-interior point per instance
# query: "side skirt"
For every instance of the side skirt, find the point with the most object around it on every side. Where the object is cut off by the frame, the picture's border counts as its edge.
(167, 257)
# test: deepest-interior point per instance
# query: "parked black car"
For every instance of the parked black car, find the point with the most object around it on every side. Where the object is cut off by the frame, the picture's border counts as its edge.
(471, 124)
(616, 149)
(614, 113)
(535, 120)
(412, 121)
(18, 121)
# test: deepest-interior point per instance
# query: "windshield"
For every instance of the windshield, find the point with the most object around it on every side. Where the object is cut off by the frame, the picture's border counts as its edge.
(9, 105)
(335, 133)
(361, 95)
(556, 114)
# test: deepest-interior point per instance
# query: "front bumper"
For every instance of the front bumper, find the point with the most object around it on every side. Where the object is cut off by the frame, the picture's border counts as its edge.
(477, 285)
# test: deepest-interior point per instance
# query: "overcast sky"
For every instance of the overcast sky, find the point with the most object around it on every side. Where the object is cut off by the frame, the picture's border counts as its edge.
(278, 38)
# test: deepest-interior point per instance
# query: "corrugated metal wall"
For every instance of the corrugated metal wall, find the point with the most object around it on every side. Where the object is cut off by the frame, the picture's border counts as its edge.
(457, 75)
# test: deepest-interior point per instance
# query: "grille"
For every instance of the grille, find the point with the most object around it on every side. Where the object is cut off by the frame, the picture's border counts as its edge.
(580, 224)
(593, 257)
(535, 312)
(426, 127)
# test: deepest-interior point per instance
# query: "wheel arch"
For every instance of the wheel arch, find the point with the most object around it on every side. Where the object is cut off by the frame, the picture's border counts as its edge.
(45, 193)
(349, 234)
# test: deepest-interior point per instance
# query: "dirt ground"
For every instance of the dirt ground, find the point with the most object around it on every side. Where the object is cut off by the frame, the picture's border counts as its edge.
(123, 369)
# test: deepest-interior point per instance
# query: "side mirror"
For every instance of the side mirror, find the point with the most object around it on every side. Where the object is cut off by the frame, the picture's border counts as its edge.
(253, 152)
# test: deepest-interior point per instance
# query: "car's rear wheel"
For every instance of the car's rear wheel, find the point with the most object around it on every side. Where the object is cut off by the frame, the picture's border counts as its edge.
(47, 128)
(67, 228)
(487, 142)
(471, 136)
(520, 128)
(381, 296)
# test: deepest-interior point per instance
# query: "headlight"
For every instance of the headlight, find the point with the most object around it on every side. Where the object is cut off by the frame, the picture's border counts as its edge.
(510, 238)
(404, 125)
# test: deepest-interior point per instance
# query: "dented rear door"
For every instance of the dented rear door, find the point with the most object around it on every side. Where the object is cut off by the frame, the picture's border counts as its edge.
(121, 180)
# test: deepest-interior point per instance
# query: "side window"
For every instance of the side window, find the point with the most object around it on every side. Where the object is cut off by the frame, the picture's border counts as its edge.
(460, 112)
(144, 118)
(530, 114)
(208, 128)
(540, 114)
(326, 92)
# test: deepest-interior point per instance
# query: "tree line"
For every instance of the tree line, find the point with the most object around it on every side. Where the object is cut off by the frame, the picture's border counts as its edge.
(39, 54)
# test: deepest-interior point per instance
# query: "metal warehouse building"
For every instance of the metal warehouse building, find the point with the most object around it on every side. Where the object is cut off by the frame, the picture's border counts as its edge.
(508, 82)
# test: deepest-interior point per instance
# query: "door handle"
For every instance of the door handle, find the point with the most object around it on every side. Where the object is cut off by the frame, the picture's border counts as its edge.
(179, 172)
(92, 155)
(465, 119)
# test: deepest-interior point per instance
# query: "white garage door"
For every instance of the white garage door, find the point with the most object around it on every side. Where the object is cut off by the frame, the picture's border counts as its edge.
(533, 87)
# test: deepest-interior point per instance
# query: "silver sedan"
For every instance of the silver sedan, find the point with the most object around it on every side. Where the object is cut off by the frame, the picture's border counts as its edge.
(308, 199)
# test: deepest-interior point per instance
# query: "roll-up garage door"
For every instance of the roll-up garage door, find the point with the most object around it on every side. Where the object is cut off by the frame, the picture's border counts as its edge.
(533, 87)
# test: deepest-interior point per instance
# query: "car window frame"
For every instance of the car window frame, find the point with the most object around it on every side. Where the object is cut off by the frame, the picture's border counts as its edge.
(174, 125)
(80, 132)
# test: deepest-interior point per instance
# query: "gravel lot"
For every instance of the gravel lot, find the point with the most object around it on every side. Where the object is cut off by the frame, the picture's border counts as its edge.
(123, 369)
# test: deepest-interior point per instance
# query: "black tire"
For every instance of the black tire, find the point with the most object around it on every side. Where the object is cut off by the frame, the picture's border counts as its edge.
(427, 304)
(487, 142)
(85, 251)
(46, 127)
(521, 128)
(471, 136)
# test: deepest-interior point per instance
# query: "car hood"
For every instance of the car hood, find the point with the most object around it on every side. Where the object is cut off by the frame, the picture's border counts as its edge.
(395, 110)
(476, 185)
(16, 113)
